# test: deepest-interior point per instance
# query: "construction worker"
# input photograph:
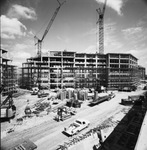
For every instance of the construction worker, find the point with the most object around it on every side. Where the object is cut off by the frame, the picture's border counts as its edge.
(49, 109)
(27, 110)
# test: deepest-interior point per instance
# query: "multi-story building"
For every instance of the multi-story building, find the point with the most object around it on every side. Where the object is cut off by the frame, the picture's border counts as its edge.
(8, 78)
(122, 70)
(72, 69)
(141, 72)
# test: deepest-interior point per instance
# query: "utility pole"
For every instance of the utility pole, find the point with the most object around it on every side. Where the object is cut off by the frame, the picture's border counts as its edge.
(100, 21)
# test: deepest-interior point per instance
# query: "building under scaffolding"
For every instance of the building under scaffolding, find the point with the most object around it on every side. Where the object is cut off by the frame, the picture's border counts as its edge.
(71, 69)
(8, 74)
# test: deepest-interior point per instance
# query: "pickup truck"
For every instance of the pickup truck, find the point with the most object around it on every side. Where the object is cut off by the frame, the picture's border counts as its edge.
(76, 126)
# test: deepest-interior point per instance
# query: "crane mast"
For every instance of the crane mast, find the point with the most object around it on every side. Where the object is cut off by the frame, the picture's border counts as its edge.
(100, 21)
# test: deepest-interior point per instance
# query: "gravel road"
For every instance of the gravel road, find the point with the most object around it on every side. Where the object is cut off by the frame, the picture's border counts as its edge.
(48, 133)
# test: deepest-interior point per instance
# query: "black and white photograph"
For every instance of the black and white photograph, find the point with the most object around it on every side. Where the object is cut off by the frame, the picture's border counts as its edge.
(73, 74)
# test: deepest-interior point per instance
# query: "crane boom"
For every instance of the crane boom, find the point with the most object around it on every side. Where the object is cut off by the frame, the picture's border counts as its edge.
(100, 21)
(51, 21)
(104, 7)
(39, 41)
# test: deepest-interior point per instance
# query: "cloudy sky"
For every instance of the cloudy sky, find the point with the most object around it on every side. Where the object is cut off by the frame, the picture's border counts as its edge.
(74, 28)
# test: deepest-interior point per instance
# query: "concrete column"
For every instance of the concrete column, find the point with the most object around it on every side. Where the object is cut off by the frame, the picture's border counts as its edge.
(0, 73)
(49, 70)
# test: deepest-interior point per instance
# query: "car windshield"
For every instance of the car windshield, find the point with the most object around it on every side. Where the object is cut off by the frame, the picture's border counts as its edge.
(78, 121)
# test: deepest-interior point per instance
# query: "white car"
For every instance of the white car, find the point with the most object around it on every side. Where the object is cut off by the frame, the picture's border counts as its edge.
(77, 126)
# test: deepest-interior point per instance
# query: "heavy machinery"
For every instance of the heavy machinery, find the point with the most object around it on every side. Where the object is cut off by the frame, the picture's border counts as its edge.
(100, 21)
(41, 94)
(101, 97)
(73, 103)
(133, 99)
(39, 41)
(64, 113)
(127, 88)
(8, 109)
(34, 91)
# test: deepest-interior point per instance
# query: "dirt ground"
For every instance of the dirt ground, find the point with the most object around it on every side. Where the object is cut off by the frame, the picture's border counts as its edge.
(47, 134)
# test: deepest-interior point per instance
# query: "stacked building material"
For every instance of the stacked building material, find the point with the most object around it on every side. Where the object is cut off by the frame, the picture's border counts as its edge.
(95, 95)
(63, 95)
(69, 94)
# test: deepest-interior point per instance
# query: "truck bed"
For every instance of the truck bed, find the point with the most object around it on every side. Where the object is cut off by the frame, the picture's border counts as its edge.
(99, 100)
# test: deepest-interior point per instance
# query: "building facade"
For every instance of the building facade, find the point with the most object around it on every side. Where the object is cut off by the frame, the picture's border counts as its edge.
(142, 72)
(8, 74)
(71, 69)
(122, 70)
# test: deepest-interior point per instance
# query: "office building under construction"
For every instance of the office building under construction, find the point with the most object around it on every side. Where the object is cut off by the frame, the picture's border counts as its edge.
(59, 69)
(8, 74)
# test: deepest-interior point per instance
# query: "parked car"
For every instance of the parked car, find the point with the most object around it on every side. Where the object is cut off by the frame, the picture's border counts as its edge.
(76, 127)
(112, 95)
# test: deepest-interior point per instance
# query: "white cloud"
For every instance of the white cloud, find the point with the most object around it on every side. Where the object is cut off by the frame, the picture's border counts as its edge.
(114, 4)
(90, 49)
(111, 42)
(64, 39)
(22, 55)
(20, 47)
(19, 56)
(11, 28)
(16, 63)
(18, 11)
(133, 30)
(136, 36)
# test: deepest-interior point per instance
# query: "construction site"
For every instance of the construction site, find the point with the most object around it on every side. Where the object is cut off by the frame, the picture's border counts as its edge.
(68, 100)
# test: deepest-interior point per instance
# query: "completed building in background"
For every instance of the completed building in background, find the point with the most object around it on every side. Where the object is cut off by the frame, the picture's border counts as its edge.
(142, 72)
(60, 69)
(8, 74)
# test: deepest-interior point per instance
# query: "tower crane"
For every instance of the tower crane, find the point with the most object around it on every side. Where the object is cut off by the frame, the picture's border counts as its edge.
(39, 41)
(101, 12)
